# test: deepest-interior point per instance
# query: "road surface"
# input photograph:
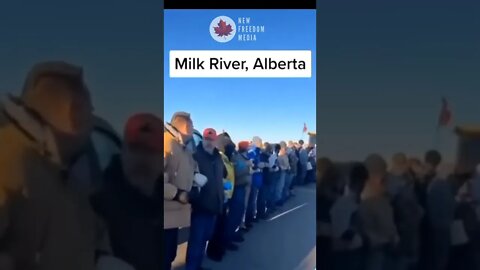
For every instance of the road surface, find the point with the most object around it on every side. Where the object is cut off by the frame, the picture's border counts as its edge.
(284, 242)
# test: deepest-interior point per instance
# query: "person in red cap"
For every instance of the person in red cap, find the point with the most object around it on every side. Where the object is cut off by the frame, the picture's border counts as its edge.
(209, 203)
(129, 202)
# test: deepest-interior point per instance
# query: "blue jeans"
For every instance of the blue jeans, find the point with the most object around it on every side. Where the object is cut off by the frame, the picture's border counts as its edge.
(302, 173)
(288, 184)
(271, 189)
(236, 210)
(252, 205)
(201, 230)
(279, 186)
(262, 200)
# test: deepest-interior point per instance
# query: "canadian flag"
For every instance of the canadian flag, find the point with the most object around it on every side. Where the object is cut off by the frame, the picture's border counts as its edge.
(445, 117)
(305, 128)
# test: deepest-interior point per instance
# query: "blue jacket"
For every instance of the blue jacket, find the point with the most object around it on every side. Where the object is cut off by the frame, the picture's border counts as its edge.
(257, 178)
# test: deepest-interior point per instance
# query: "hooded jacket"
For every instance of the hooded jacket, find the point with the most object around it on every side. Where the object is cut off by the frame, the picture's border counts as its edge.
(50, 224)
(242, 170)
(211, 196)
(180, 168)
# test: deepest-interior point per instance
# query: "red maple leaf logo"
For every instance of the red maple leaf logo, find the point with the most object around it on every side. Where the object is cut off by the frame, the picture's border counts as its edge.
(223, 29)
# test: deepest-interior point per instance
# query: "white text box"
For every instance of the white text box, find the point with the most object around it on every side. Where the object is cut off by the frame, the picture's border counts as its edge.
(240, 64)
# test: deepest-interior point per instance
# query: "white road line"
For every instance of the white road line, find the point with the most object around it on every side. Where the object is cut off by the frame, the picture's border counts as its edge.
(288, 211)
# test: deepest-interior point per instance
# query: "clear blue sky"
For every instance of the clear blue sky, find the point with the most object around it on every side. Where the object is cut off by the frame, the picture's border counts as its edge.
(274, 109)
(384, 67)
(118, 44)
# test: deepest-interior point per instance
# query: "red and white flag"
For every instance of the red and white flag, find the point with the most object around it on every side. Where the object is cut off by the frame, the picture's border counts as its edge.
(305, 128)
(445, 117)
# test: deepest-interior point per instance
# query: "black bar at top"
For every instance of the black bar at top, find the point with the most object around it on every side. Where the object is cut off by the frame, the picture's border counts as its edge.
(239, 4)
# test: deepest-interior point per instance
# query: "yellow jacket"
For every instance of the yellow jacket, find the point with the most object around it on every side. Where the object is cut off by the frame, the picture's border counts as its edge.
(230, 174)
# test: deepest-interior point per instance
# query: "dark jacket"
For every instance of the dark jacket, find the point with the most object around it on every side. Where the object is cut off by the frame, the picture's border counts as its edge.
(211, 197)
(134, 220)
(267, 179)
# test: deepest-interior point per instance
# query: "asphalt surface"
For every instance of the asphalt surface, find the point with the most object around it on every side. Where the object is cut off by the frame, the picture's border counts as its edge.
(284, 242)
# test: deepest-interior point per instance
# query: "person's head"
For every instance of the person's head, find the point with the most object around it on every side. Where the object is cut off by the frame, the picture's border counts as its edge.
(416, 167)
(291, 144)
(229, 150)
(433, 158)
(301, 143)
(222, 140)
(358, 178)
(257, 142)
(142, 151)
(329, 177)
(277, 148)
(56, 92)
(182, 121)
(283, 148)
(399, 163)
(268, 147)
(243, 146)
(376, 167)
(209, 139)
(323, 164)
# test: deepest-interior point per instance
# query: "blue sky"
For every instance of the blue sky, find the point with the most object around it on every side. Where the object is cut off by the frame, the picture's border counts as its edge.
(274, 109)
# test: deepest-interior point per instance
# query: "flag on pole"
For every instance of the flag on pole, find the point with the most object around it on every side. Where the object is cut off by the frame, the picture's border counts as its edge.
(305, 128)
(445, 117)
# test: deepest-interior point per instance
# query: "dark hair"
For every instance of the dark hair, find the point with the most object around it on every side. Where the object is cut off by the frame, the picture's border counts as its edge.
(433, 157)
(358, 177)
(301, 142)
(229, 150)
(277, 147)
(330, 179)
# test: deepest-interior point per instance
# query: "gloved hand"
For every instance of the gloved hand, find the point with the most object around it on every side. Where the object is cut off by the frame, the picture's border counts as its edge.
(200, 179)
(112, 263)
(227, 185)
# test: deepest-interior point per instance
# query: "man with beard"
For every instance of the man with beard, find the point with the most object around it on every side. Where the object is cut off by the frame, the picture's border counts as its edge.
(129, 202)
(209, 203)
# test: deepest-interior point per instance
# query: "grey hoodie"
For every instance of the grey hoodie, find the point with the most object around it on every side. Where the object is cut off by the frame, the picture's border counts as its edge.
(242, 170)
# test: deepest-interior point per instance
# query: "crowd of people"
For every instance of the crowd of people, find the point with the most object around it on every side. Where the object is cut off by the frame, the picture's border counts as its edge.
(70, 202)
(219, 189)
(404, 214)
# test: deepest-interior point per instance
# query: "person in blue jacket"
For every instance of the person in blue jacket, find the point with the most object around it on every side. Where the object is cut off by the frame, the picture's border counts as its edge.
(257, 180)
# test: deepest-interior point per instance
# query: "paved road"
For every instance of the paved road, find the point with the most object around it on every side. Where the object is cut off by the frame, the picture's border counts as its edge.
(284, 242)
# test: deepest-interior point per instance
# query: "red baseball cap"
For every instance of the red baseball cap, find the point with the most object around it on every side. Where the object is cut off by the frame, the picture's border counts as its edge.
(210, 134)
(243, 145)
(145, 130)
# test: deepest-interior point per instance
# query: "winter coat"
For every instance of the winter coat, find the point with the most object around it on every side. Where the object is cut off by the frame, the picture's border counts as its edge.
(211, 196)
(242, 170)
(179, 171)
(257, 177)
(134, 220)
(50, 224)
